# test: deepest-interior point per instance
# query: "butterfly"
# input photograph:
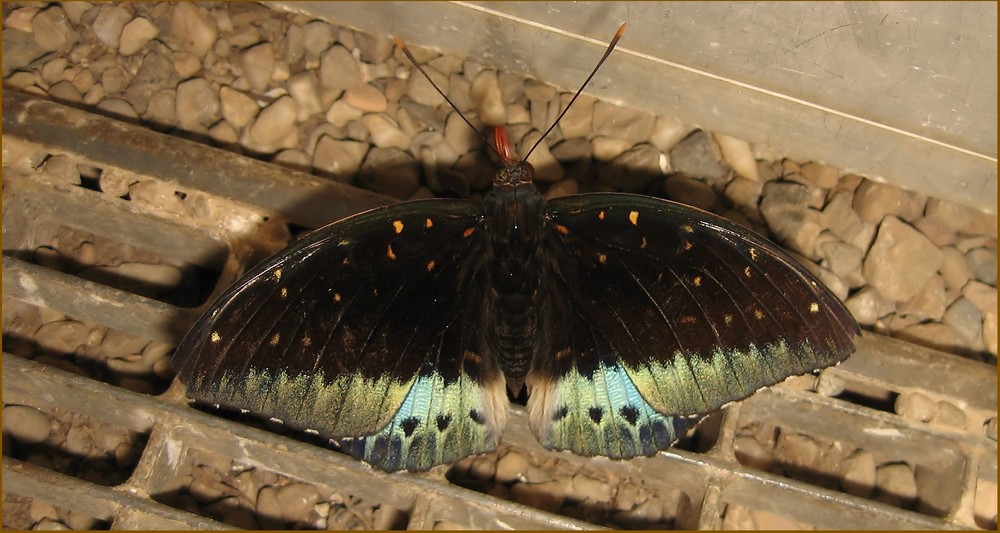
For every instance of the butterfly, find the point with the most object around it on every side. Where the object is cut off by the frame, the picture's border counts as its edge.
(398, 333)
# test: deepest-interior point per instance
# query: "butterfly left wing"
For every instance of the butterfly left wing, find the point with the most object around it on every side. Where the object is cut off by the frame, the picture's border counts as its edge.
(674, 312)
(367, 331)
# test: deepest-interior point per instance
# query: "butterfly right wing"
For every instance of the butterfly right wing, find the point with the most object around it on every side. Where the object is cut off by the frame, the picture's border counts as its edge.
(367, 331)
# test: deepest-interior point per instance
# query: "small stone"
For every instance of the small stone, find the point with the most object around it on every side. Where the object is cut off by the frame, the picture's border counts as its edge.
(20, 19)
(62, 337)
(340, 160)
(634, 169)
(153, 75)
(110, 23)
(341, 113)
(224, 134)
(547, 169)
(738, 154)
(258, 65)
(487, 99)
(841, 258)
(385, 133)
(374, 48)
(338, 69)
(934, 335)
(79, 441)
(744, 193)
(589, 489)
(118, 344)
(897, 480)
(136, 35)
(296, 500)
(421, 91)
(304, 89)
(392, 172)
(162, 109)
(237, 108)
(839, 217)
(25, 424)
(934, 230)
(197, 105)
(915, 405)
(52, 30)
(578, 121)
(192, 30)
(540, 496)
(949, 414)
(867, 306)
(954, 269)
(605, 149)
(928, 303)
(114, 80)
(990, 429)
(696, 157)
(901, 260)
(799, 450)
(536, 90)
(317, 37)
(19, 50)
(983, 264)
(829, 384)
(273, 124)
(667, 132)
(459, 136)
(511, 467)
(965, 319)
(823, 176)
(623, 123)
(186, 64)
(50, 525)
(750, 453)
(690, 191)
(365, 97)
(874, 201)
(61, 168)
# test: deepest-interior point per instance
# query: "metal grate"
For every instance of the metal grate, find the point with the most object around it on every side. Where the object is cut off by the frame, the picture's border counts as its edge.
(227, 211)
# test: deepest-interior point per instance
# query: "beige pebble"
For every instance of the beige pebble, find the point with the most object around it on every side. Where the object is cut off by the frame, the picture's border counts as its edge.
(119, 108)
(63, 337)
(511, 466)
(20, 19)
(25, 424)
(739, 155)
(897, 480)
(547, 168)
(258, 65)
(49, 525)
(607, 148)
(61, 169)
(269, 510)
(915, 405)
(196, 104)
(667, 132)
(136, 35)
(901, 260)
(421, 91)
(296, 500)
(51, 29)
(114, 80)
(186, 63)
(858, 473)
(365, 97)
(304, 89)
(751, 453)
(273, 125)
(192, 29)
(588, 488)
(79, 441)
(385, 133)
(338, 69)
(487, 99)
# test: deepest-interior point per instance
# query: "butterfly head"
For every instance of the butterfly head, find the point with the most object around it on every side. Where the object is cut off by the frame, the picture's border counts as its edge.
(512, 172)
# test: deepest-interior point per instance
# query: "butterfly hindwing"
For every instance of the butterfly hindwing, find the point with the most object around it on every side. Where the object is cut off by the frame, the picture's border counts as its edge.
(367, 331)
(688, 311)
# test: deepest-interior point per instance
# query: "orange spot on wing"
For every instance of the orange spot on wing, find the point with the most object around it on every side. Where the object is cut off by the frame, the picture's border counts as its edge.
(389, 253)
(562, 229)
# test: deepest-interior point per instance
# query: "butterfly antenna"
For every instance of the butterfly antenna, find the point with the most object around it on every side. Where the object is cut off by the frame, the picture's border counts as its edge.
(406, 51)
(614, 41)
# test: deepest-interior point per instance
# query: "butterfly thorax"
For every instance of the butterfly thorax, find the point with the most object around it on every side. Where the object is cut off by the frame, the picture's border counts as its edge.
(514, 216)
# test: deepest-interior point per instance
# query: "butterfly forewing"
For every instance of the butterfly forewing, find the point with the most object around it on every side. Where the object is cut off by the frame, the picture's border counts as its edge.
(368, 329)
(698, 311)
